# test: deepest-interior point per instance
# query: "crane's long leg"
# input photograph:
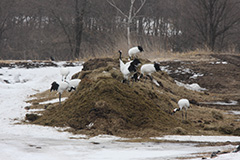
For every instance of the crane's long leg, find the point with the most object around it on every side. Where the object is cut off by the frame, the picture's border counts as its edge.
(151, 80)
(59, 99)
(132, 82)
(182, 115)
(145, 79)
(186, 114)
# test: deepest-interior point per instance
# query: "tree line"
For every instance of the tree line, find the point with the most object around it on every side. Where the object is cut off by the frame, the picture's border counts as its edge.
(73, 29)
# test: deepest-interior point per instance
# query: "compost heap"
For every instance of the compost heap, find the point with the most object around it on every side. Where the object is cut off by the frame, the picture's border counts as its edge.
(102, 104)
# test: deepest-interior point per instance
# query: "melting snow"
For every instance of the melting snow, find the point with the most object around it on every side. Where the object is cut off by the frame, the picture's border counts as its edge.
(54, 100)
(231, 103)
(224, 62)
(235, 112)
(196, 75)
(200, 138)
(194, 86)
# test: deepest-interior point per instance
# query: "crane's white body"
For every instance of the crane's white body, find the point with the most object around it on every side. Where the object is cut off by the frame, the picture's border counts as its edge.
(60, 88)
(183, 104)
(147, 69)
(63, 86)
(72, 84)
(64, 72)
(132, 52)
(124, 69)
(129, 68)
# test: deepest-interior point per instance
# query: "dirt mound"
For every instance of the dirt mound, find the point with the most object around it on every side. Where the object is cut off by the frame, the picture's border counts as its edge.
(103, 105)
(96, 63)
(111, 107)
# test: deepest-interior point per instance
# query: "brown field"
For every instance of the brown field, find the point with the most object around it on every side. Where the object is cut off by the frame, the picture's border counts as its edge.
(140, 111)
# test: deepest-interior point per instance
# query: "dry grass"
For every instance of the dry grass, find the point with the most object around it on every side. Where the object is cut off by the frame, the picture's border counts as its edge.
(197, 55)
(137, 111)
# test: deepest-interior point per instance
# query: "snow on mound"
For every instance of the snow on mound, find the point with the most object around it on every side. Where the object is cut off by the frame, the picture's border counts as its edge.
(54, 100)
(193, 86)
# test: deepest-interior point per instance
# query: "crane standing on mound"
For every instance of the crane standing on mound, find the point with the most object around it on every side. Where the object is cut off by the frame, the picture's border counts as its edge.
(183, 104)
(128, 69)
(132, 52)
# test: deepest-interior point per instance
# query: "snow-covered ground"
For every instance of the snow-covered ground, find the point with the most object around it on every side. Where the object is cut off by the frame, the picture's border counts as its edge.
(24, 142)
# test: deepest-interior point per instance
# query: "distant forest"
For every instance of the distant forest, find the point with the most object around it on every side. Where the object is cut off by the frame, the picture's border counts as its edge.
(75, 29)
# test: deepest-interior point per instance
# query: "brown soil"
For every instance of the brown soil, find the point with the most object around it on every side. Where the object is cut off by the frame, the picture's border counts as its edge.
(118, 109)
(221, 75)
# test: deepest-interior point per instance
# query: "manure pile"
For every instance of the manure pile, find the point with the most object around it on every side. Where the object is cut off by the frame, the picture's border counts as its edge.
(103, 105)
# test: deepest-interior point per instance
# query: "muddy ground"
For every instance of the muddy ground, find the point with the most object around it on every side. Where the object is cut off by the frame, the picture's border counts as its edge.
(218, 73)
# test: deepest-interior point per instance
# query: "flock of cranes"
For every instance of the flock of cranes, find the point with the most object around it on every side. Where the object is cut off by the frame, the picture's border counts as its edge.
(128, 70)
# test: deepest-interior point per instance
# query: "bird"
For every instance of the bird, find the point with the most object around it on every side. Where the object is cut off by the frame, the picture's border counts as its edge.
(51, 58)
(73, 83)
(129, 68)
(183, 104)
(132, 52)
(148, 69)
(60, 88)
(64, 72)
(63, 86)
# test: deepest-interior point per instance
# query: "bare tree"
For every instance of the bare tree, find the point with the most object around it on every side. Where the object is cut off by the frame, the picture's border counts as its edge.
(129, 16)
(87, 28)
(5, 17)
(214, 18)
(71, 22)
(79, 14)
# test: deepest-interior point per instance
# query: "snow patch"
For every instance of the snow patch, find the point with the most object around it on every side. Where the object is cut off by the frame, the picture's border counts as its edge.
(234, 112)
(194, 86)
(224, 62)
(230, 103)
(54, 100)
(196, 75)
(199, 138)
